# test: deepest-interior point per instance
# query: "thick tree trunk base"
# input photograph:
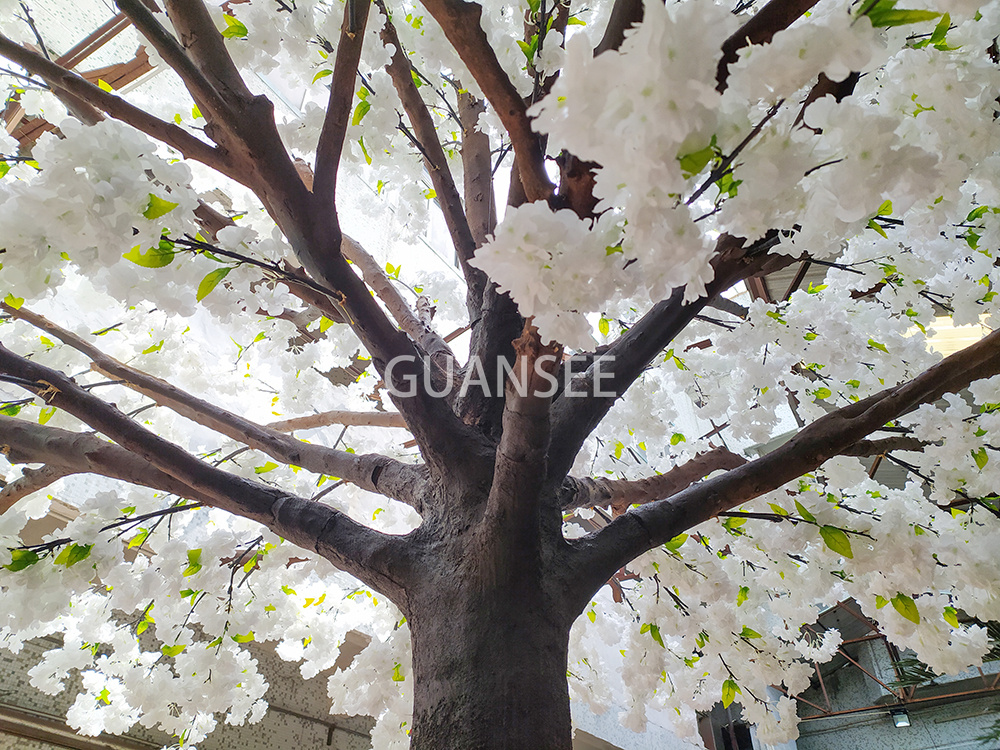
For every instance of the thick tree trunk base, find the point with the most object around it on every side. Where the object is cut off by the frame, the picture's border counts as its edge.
(490, 678)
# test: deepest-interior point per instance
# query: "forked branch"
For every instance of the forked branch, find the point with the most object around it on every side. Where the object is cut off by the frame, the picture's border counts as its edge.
(461, 23)
(64, 452)
(401, 72)
(371, 472)
(379, 560)
(597, 556)
(204, 93)
(620, 494)
(114, 106)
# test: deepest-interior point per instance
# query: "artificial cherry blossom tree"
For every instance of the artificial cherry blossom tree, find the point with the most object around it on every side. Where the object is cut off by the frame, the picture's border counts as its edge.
(220, 305)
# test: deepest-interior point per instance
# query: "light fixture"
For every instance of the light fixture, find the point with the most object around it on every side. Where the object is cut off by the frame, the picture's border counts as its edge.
(899, 717)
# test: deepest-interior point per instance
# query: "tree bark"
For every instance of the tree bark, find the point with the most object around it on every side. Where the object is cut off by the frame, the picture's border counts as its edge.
(489, 666)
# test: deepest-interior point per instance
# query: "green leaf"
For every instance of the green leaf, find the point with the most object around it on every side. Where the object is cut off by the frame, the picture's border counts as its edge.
(951, 616)
(872, 224)
(11, 301)
(778, 509)
(234, 29)
(574, 21)
(324, 324)
(250, 564)
(139, 539)
(742, 595)
(244, 638)
(397, 673)
(887, 18)
(675, 544)
(21, 559)
(158, 207)
(155, 257)
(360, 111)
(194, 562)
(880, 601)
(322, 74)
(883, 14)
(749, 633)
(804, 512)
(104, 85)
(876, 345)
(837, 540)
(154, 348)
(364, 150)
(72, 554)
(104, 697)
(677, 438)
(592, 615)
(693, 163)
(906, 607)
(822, 393)
(604, 326)
(11, 410)
(528, 48)
(46, 414)
(980, 458)
(210, 282)
(173, 650)
(654, 632)
(728, 185)
(729, 691)
(269, 466)
(216, 643)
(885, 209)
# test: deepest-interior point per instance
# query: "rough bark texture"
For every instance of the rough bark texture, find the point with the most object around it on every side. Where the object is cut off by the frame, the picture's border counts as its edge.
(491, 676)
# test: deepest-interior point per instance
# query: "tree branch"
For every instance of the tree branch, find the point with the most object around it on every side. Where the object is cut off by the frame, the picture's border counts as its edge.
(422, 334)
(573, 419)
(477, 169)
(461, 23)
(597, 556)
(624, 15)
(30, 481)
(513, 502)
(379, 560)
(116, 107)
(401, 72)
(64, 452)
(338, 111)
(371, 472)
(760, 29)
(620, 494)
(346, 418)
(865, 448)
(206, 96)
(207, 48)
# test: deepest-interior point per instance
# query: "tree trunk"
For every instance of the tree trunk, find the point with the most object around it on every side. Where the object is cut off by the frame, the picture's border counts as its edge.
(489, 667)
